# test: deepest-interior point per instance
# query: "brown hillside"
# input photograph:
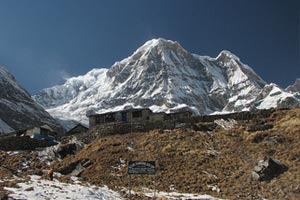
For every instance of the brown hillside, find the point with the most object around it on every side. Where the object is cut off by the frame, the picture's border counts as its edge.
(199, 161)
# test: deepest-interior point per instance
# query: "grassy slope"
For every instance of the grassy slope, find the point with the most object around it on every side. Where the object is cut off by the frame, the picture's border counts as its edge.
(194, 161)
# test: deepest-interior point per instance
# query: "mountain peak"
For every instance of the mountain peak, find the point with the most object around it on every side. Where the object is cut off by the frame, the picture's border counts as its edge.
(226, 55)
(153, 48)
(159, 44)
(163, 76)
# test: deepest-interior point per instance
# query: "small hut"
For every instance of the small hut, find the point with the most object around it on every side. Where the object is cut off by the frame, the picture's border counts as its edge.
(79, 128)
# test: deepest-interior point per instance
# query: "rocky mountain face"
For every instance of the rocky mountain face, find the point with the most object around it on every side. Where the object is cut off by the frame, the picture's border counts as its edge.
(163, 76)
(17, 109)
(295, 88)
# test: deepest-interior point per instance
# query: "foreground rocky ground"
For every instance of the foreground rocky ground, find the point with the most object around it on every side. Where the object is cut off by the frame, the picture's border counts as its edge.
(215, 158)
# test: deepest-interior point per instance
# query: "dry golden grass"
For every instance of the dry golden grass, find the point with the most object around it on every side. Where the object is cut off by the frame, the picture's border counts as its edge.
(196, 161)
(193, 161)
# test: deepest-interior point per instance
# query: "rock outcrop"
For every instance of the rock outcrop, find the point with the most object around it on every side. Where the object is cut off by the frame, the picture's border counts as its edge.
(68, 149)
(267, 169)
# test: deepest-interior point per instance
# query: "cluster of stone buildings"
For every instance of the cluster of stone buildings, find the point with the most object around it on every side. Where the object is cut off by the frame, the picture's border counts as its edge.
(136, 119)
(117, 122)
(43, 132)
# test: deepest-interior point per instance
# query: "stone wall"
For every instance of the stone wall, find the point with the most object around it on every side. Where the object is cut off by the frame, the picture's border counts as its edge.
(123, 128)
(245, 115)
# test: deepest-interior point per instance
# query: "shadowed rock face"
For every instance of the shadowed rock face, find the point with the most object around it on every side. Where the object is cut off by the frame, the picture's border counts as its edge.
(295, 87)
(17, 109)
(267, 169)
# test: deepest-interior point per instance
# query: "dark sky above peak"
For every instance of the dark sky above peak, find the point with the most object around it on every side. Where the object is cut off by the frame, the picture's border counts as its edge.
(43, 42)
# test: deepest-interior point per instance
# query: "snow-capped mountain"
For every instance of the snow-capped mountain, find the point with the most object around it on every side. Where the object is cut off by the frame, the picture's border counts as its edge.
(163, 76)
(17, 109)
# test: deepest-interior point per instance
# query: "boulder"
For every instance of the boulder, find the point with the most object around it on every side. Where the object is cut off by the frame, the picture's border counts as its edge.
(267, 169)
(80, 167)
(204, 126)
(76, 168)
(67, 149)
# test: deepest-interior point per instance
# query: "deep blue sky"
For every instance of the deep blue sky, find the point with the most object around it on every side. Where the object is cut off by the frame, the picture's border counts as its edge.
(44, 41)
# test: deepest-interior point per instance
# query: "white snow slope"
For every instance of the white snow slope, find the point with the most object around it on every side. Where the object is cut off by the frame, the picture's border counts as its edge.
(163, 76)
(41, 189)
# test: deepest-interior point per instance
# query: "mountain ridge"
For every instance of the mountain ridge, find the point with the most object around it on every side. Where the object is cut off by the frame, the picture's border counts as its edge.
(17, 109)
(164, 76)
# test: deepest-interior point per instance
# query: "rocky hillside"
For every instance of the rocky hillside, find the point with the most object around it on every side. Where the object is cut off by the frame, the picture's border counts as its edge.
(219, 162)
(164, 76)
(216, 157)
(17, 109)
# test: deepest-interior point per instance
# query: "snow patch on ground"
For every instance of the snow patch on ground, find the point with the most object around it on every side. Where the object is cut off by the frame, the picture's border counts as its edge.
(40, 189)
(226, 124)
(182, 196)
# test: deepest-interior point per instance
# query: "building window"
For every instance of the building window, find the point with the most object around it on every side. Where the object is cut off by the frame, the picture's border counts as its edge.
(99, 119)
(136, 114)
(110, 117)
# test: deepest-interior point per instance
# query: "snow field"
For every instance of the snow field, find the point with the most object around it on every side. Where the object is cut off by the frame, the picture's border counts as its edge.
(40, 189)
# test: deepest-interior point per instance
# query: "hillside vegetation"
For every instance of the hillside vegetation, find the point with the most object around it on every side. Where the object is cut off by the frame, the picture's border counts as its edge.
(217, 162)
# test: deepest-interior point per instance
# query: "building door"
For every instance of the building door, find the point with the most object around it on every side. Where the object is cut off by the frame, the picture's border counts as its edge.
(124, 117)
